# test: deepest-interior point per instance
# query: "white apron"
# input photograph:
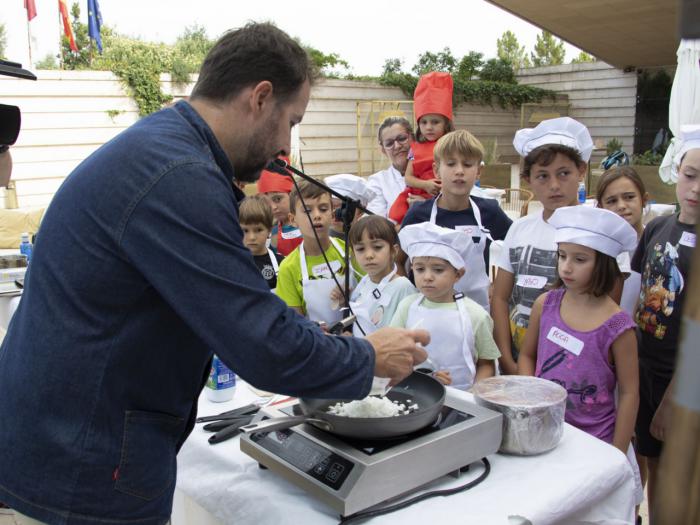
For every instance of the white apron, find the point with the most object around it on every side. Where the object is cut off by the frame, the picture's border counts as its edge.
(275, 265)
(368, 294)
(451, 339)
(317, 292)
(475, 281)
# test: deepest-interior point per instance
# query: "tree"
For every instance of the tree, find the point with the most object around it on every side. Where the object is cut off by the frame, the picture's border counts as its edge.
(327, 63)
(392, 65)
(188, 53)
(509, 49)
(549, 51)
(3, 40)
(583, 57)
(498, 70)
(48, 62)
(440, 61)
(469, 65)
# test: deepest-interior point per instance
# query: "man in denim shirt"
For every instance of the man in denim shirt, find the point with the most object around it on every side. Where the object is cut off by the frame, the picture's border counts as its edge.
(139, 273)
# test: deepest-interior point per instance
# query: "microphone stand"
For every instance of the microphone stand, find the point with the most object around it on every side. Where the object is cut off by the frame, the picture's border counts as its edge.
(348, 209)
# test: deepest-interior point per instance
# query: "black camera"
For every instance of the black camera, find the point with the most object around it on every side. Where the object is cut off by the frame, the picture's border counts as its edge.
(10, 117)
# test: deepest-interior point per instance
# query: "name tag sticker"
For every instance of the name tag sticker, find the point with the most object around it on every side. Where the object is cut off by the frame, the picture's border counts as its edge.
(532, 281)
(321, 270)
(688, 239)
(470, 229)
(565, 340)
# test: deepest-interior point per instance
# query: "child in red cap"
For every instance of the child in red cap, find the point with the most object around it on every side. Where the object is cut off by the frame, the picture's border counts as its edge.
(432, 103)
(276, 189)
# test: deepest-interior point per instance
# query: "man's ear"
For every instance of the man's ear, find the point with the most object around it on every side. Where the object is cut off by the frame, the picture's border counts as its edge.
(261, 95)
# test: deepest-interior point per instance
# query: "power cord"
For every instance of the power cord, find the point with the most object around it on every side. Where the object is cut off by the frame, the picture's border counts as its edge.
(366, 514)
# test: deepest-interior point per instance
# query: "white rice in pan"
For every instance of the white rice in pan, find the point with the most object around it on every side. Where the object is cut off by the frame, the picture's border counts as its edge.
(372, 406)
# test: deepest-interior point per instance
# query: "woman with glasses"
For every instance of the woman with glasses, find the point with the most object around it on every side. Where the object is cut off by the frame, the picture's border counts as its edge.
(395, 135)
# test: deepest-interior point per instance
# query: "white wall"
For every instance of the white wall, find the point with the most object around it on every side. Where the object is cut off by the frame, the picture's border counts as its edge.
(600, 96)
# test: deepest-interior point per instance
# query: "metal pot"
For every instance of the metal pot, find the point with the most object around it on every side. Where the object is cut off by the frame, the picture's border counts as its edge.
(532, 408)
(428, 393)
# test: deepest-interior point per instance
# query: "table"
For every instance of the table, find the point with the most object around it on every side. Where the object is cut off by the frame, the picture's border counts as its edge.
(582, 480)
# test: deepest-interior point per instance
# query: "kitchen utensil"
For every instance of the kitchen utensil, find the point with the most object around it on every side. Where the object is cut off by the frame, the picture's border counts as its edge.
(420, 389)
(532, 408)
(230, 431)
(241, 411)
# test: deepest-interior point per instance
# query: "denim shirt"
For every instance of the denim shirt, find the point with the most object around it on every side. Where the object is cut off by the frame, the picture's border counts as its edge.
(138, 275)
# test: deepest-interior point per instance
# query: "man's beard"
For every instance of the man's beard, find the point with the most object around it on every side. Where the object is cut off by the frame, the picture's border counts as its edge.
(258, 154)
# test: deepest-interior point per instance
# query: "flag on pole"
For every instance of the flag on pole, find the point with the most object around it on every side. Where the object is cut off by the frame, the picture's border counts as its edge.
(95, 23)
(31, 9)
(67, 29)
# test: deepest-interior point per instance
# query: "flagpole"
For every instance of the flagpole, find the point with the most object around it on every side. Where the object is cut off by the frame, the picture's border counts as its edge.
(29, 43)
(60, 40)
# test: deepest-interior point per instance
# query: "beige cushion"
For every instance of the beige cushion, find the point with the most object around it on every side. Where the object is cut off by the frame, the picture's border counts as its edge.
(15, 222)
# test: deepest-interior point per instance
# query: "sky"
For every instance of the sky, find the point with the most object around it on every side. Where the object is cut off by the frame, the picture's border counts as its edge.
(363, 32)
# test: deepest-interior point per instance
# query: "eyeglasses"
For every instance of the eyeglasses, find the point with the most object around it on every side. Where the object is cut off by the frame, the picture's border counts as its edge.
(400, 139)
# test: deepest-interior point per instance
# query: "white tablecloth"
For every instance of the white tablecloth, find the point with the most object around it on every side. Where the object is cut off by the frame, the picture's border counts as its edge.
(583, 480)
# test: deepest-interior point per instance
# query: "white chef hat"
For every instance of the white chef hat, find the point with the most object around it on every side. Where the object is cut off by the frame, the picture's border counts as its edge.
(690, 137)
(429, 240)
(600, 229)
(564, 130)
(351, 186)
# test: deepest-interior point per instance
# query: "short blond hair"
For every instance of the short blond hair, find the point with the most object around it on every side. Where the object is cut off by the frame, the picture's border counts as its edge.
(255, 210)
(459, 142)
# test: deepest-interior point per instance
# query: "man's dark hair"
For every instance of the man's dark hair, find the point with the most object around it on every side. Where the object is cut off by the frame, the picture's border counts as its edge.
(252, 54)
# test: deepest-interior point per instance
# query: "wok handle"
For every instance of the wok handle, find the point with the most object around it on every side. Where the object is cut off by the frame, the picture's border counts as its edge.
(279, 423)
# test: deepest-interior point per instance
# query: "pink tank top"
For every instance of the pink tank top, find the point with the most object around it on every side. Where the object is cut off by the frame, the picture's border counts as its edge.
(578, 361)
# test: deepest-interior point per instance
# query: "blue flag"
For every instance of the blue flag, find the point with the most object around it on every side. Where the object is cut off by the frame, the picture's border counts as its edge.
(94, 23)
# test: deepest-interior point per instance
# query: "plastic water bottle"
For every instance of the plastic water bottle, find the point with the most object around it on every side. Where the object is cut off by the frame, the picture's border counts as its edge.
(25, 246)
(581, 193)
(221, 384)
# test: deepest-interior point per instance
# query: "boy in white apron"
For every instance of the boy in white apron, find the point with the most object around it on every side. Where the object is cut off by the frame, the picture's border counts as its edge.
(461, 340)
(309, 274)
(256, 219)
(350, 186)
(457, 165)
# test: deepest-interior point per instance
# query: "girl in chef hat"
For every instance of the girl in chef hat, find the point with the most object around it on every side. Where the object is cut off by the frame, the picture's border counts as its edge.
(555, 159)
(579, 337)
(432, 104)
(461, 340)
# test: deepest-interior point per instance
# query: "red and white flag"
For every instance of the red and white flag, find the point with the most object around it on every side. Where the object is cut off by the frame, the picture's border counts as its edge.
(31, 9)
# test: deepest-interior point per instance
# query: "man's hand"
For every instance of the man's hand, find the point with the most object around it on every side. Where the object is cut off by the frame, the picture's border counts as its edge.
(397, 352)
(660, 423)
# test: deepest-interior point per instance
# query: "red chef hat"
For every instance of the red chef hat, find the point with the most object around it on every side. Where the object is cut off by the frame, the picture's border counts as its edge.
(433, 95)
(271, 181)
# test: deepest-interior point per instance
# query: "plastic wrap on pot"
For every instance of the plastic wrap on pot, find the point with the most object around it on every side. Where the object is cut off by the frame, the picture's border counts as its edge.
(532, 408)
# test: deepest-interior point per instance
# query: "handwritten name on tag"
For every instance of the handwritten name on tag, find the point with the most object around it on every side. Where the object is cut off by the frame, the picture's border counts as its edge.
(565, 340)
(688, 239)
(321, 270)
(470, 229)
(531, 281)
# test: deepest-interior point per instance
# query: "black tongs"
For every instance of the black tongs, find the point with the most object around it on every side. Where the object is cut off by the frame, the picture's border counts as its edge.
(226, 424)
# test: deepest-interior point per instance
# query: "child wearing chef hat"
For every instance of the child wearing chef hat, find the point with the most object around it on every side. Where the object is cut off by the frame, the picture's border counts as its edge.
(663, 258)
(432, 105)
(555, 156)
(579, 337)
(350, 186)
(276, 189)
(461, 341)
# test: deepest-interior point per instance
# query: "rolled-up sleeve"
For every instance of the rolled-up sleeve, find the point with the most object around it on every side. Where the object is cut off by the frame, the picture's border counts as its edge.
(183, 235)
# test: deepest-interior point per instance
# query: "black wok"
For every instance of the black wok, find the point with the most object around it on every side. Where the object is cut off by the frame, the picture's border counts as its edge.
(425, 391)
